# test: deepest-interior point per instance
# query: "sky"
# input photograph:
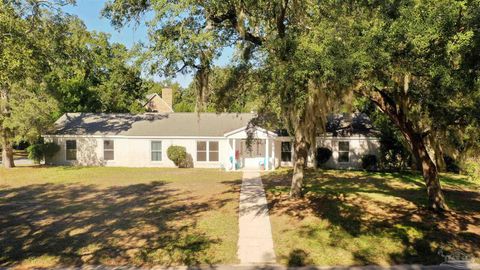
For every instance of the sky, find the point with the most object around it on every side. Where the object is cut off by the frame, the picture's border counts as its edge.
(89, 12)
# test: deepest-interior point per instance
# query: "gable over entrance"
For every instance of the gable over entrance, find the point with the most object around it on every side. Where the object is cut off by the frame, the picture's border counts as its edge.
(256, 132)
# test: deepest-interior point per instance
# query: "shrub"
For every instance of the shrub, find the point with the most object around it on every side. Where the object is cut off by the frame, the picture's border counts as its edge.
(40, 151)
(471, 167)
(323, 155)
(394, 153)
(50, 149)
(35, 152)
(451, 164)
(369, 162)
(178, 154)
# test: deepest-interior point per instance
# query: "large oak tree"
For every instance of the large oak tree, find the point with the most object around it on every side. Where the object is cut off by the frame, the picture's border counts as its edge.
(293, 56)
(420, 67)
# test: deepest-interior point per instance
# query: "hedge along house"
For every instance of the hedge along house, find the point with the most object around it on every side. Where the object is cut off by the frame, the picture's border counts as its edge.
(211, 141)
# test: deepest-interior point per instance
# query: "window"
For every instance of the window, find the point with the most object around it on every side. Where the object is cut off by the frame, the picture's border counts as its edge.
(343, 151)
(207, 151)
(286, 151)
(213, 151)
(108, 150)
(71, 149)
(156, 149)
(201, 151)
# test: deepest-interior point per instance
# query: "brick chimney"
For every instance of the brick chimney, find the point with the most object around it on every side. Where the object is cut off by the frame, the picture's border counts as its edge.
(167, 96)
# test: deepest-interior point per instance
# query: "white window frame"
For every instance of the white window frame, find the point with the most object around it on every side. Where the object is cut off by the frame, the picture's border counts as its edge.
(161, 151)
(66, 150)
(341, 151)
(207, 142)
(109, 150)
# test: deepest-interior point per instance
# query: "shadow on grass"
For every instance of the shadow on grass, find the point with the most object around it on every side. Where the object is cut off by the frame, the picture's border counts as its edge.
(298, 257)
(141, 224)
(388, 205)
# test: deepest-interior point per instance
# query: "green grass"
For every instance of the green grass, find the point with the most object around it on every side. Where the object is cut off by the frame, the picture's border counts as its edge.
(360, 218)
(117, 216)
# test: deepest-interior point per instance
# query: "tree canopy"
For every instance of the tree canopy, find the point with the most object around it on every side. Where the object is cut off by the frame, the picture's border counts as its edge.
(293, 68)
(420, 67)
(51, 64)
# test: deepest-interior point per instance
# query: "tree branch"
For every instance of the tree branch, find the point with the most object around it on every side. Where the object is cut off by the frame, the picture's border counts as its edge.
(231, 16)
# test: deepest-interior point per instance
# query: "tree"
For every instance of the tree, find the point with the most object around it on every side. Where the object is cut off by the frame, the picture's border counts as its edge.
(25, 48)
(50, 64)
(220, 97)
(275, 41)
(422, 72)
(92, 74)
(394, 152)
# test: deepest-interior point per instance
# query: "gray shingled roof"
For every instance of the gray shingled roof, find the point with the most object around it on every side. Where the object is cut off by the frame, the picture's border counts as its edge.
(150, 124)
(345, 125)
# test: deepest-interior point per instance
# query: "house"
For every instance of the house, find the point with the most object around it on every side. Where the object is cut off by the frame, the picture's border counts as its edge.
(211, 140)
(156, 103)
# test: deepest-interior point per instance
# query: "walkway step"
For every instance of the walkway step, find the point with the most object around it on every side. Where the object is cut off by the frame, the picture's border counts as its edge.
(255, 243)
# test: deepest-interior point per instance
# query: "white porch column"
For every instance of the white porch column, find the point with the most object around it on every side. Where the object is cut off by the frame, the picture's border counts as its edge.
(267, 161)
(273, 154)
(234, 168)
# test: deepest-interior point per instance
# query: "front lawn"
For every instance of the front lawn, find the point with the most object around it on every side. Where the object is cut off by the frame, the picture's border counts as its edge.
(117, 216)
(360, 218)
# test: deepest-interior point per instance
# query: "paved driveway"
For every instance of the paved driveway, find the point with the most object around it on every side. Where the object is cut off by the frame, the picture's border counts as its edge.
(22, 162)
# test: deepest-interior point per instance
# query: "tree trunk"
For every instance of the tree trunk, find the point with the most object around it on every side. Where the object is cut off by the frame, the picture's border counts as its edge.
(436, 201)
(418, 147)
(438, 154)
(7, 145)
(300, 148)
(7, 151)
(313, 154)
(202, 80)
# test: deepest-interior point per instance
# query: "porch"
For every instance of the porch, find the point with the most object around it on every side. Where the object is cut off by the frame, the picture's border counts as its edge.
(256, 153)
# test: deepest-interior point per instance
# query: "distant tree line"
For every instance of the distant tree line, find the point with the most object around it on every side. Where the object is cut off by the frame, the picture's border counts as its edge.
(51, 64)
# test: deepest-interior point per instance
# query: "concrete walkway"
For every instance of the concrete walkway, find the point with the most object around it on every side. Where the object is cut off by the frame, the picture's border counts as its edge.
(255, 244)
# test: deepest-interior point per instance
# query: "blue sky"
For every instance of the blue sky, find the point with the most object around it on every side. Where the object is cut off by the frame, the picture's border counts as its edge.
(89, 12)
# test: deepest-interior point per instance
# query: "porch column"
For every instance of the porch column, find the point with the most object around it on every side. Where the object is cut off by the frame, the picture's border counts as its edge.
(267, 161)
(234, 167)
(273, 154)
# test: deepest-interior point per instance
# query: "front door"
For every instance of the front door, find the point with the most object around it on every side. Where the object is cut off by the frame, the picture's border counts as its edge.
(253, 157)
